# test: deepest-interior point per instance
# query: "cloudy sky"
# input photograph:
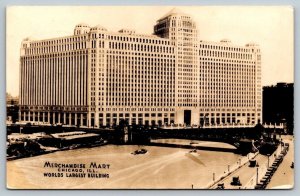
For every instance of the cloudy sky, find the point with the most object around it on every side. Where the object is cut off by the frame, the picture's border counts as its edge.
(271, 27)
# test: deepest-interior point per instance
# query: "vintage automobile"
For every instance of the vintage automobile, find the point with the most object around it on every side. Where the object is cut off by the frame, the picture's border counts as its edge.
(141, 151)
(220, 186)
(252, 163)
(236, 181)
(195, 150)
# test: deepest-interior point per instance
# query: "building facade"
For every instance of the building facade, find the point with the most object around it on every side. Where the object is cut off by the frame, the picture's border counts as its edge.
(96, 78)
(278, 105)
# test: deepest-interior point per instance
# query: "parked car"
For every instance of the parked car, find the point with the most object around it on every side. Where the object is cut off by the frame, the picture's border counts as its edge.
(236, 181)
(220, 186)
(252, 163)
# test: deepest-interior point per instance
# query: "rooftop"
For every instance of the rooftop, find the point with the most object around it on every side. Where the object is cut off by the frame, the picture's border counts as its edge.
(73, 135)
(174, 11)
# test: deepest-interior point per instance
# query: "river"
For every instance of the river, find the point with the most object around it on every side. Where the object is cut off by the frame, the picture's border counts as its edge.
(159, 168)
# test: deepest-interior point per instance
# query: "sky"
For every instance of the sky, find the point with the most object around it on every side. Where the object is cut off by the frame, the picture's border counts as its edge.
(272, 27)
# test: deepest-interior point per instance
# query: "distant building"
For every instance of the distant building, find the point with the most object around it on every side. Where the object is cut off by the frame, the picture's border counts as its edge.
(97, 77)
(11, 100)
(278, 105)
(12, 108)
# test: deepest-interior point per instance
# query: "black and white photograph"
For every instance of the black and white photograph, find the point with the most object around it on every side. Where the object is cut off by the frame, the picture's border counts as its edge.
(150, 97)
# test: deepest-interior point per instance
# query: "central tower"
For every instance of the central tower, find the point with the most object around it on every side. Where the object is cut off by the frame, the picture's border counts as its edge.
(181, 30)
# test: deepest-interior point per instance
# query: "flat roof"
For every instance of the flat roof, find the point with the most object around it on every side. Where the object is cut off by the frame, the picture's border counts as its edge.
(73, 135)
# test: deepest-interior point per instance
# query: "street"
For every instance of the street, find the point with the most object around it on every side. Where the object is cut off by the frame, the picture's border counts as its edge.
(284, 176)
(245, 174)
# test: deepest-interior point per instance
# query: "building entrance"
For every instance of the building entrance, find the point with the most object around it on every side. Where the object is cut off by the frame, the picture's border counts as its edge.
(187, 117)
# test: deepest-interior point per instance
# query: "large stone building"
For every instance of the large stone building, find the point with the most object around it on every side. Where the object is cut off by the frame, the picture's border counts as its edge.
(97, 77)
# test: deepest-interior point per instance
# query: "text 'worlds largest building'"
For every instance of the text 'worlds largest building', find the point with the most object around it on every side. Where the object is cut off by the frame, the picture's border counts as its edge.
(96, 78)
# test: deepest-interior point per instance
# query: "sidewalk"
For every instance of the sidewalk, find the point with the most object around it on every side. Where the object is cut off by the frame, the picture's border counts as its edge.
(242, 170)
(248, 176)
(284, 176)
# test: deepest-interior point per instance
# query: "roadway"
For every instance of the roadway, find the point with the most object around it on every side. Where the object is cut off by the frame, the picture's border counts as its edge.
(284, 175)
(246, 174)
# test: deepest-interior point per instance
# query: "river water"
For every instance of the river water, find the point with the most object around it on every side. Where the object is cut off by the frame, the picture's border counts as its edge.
(159, 168)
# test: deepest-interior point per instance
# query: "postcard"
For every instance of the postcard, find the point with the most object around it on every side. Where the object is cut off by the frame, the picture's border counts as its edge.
(150, 97)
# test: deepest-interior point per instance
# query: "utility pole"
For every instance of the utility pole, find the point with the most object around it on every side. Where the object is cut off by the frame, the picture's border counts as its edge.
(257, 175)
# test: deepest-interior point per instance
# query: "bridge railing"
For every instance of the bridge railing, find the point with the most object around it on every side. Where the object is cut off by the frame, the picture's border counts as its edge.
(276, 126)
(231, 168)
(230, 125)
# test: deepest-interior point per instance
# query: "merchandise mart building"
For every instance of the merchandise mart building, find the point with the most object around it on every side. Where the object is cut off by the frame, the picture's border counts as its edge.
(96, 78)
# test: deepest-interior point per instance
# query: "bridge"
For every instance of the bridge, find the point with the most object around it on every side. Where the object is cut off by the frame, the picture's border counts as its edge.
(240, 138)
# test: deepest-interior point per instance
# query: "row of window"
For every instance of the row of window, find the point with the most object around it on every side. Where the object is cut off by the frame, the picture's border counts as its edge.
(131, 38)
(56, 48)
(227, 48)
(62, 83)
(63, 40)
(141, 47)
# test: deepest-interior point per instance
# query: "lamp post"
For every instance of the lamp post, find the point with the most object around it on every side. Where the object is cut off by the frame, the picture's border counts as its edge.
(214, 176)
(268, 160)
(257, 175)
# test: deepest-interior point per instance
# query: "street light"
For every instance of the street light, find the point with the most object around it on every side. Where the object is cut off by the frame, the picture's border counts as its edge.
(214, 176)
(257, 175)
(268, 160)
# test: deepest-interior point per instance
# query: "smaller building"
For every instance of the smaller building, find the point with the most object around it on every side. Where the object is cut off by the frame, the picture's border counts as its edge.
(68, 139)
(278, 105)
(11, 100)
(12, 108)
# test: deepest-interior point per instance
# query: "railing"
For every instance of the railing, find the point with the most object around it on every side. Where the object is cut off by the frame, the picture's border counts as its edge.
(230, 169)
(262, 170)
(276, 126)
(208, 126)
